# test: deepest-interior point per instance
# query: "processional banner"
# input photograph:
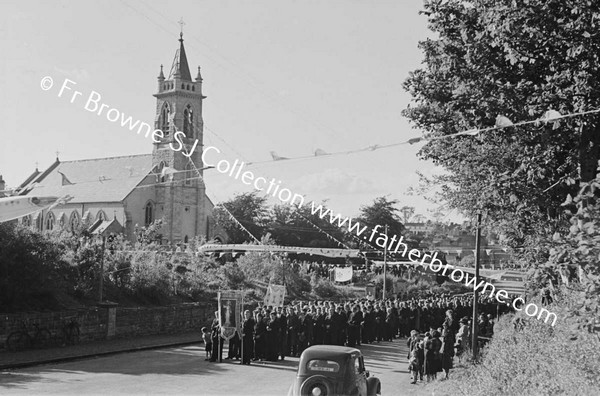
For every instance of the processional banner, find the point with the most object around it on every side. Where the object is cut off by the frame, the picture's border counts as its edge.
(230, 312)
(275, 296)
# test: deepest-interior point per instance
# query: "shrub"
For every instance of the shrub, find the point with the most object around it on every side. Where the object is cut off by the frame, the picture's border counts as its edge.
(30, 264)
(536, 360)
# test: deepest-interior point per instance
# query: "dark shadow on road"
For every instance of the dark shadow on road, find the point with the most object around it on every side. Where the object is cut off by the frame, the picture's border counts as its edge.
(170, 361)
(187, 361)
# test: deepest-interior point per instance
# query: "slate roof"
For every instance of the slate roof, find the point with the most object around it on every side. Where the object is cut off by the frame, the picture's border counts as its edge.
(94, 180)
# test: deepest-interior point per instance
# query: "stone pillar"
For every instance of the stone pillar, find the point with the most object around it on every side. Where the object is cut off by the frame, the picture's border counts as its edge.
(111, 321)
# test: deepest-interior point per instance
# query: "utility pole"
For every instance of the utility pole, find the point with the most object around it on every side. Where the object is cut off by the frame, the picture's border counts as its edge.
(475, 324)
(385, 262)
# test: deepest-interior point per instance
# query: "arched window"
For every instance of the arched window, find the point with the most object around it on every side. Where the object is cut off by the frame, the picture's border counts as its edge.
(74, 221)
(50, 221)
(101, 216)
(148, 214)
(163, 121)
(193, 88)
(188, 174)
(188, 121)
(185, 239)
(26, 221)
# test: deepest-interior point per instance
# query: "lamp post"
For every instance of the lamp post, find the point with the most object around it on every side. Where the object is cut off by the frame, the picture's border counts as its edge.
(385, 262)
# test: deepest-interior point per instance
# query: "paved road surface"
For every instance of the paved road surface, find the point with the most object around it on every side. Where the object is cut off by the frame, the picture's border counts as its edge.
(183, 370)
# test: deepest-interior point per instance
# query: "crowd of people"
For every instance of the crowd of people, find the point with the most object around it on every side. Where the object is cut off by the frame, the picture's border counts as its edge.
(435, 335)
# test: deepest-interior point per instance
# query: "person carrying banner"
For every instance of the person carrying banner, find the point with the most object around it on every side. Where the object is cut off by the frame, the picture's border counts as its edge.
(217, 341)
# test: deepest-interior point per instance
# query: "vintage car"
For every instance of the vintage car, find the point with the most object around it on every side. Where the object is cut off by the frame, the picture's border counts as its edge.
(328, 370)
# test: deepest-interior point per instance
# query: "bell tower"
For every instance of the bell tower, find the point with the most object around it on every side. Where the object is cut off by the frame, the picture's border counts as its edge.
(180, 191)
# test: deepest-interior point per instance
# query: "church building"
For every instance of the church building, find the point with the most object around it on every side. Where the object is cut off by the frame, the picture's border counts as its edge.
(133, 191)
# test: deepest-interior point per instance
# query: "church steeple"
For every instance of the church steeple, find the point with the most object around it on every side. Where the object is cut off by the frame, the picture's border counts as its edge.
(179, 109)
(180, 69)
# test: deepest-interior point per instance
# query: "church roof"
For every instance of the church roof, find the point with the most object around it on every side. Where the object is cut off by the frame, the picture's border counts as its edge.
(180, 64)
(92, 180)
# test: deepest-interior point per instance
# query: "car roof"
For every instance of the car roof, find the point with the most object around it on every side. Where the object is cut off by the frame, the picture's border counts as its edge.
(331, 352)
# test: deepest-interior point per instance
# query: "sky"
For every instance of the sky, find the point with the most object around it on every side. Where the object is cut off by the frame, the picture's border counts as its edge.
(279, 75)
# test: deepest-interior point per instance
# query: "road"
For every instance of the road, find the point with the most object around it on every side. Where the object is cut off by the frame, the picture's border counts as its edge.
(182, 370)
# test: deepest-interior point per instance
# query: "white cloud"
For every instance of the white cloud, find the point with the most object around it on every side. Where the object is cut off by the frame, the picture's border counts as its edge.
(333, 181)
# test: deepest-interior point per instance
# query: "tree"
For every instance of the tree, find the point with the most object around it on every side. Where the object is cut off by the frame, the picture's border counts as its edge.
(407, 213)
(292, 226)
(518, 59)
(32, 268)
(382, 212)
(248, 209)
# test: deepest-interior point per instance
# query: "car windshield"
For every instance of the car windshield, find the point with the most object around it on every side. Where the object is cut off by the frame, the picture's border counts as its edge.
(323, 365)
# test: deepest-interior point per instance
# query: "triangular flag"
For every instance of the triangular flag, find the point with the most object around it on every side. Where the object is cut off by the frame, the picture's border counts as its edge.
(502, 121)
(277, 157)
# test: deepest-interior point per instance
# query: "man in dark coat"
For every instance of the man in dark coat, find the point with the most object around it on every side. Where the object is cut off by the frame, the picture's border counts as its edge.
(332, 327)
(354, 321)
(260, 334)
(272, 341)
(283, 329)
(248, 338)
(217, 340)
(293, 324)
(319, 327)
(368, 326)
(342, 324)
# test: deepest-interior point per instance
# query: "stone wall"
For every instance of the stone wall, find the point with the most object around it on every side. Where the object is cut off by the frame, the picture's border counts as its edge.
(94, 322)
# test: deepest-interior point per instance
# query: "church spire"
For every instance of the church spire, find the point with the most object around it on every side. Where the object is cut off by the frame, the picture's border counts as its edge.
(180, 68)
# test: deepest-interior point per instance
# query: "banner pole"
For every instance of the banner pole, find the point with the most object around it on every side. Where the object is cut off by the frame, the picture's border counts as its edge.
(242, 330)
(220, 349)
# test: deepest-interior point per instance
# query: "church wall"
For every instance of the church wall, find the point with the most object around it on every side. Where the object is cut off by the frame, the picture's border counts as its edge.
(135, 206)
(110, 209)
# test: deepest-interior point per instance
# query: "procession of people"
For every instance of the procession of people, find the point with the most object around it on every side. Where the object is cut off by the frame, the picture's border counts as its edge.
(437, 328)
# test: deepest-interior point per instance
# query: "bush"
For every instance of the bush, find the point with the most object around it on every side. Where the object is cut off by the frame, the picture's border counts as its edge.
(30, 264)
(537, 360)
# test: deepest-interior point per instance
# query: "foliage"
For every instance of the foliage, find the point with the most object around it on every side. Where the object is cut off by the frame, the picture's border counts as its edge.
(537, 359)
(149, 234)
(389, 285)
(30, 264)
(518, 59)
(574, 255)
(382, 212)
(293, 226)
(249, 209)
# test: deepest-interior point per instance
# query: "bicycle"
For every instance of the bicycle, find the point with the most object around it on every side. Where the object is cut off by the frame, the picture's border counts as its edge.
(71, 332)
(19, 340)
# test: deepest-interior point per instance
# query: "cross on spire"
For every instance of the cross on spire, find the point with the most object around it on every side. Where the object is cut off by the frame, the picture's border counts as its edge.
(181, 23)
